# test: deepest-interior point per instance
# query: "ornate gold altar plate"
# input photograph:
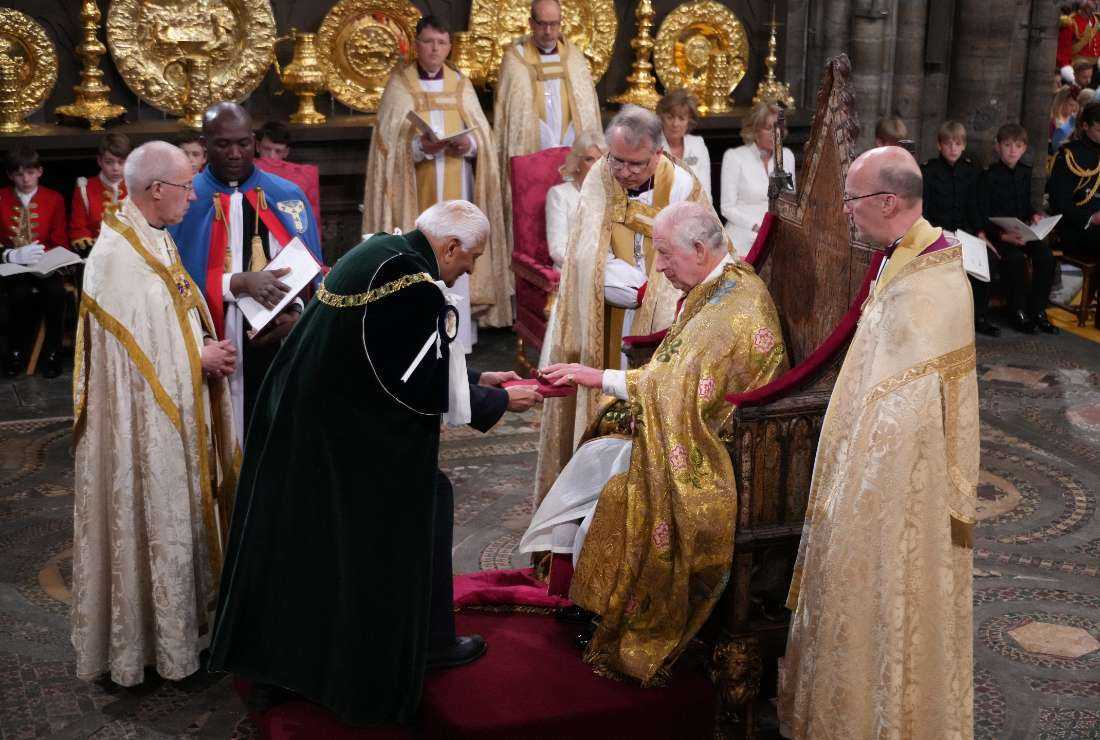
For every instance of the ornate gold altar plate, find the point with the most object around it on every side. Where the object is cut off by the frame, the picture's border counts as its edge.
(688, 38)
(360, 42)
(590, 24)
(151, 42)
(28, 69)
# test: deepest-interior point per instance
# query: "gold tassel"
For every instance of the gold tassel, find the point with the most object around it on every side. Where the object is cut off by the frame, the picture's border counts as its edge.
(259, 259)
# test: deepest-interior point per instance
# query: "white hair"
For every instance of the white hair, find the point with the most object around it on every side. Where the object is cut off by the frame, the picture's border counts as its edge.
(691, 223)
(155, 160)
(460, 219)
(637, 126)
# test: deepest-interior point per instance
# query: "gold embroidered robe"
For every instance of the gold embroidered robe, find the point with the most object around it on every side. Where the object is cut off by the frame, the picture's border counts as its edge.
(580, 321)
(519, 101)
(156, 462)
(658, 551)
(880, 641)
(391, 196)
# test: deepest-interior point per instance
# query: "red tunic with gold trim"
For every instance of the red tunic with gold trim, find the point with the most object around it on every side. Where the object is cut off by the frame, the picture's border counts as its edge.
(91, 200)
(1078, 37)
(43, 221)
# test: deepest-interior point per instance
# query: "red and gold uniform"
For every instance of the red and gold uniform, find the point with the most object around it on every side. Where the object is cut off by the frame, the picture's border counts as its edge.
(43, 221)
(92, 199)
(1078, 37)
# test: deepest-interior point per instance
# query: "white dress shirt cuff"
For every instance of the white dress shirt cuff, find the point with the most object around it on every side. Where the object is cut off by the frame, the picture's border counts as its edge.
(227, 294)
(419, 155)
(614, 383)
(621, 281)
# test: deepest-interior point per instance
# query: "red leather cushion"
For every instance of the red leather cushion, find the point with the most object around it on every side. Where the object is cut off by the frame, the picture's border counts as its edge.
(532, 176)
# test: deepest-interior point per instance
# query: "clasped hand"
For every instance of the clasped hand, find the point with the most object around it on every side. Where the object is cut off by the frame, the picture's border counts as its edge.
(219, 358)
(520, 397)
(26, 255)
(452, 148)
(572, 373)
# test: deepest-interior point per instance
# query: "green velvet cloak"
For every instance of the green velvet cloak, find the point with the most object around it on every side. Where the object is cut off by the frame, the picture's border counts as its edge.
(326, 585)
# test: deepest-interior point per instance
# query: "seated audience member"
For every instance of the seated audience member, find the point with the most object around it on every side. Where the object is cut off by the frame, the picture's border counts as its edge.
(32, 220)
(562, 199)
(745, 174)
(1085, 97)
(1063, 118)
(950, 202)
(191, 144)
(1074, 185)
(652, 558)
(890, 130)
(679, 112)
(1004, 189)
(100, 196)
(1082, 74)
(273, 141)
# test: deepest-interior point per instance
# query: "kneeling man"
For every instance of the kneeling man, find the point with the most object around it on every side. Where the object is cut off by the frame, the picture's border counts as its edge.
(653, 556)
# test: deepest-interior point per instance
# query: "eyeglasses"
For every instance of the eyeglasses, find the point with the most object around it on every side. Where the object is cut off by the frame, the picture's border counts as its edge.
(548, 25)
(625, 164)
(850, 198)
(188, 187)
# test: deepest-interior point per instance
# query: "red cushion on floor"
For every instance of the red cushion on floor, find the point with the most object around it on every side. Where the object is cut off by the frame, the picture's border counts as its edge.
(531, 684)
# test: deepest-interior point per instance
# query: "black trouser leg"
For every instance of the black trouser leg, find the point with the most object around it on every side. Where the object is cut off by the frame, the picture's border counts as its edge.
(51, 306)
(256, 362)
(21, 319)
(1014, 269)
(981, 298)
(1042, 276)
(442, 615)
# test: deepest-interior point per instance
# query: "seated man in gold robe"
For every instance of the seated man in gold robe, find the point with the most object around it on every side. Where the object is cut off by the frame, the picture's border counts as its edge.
(408, 171)
(653, 556)
(609, 283)
(881, 640)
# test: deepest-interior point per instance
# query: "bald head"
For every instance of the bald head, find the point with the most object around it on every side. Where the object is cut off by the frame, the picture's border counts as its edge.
(158, 180)
(883, 194)
(229, 141)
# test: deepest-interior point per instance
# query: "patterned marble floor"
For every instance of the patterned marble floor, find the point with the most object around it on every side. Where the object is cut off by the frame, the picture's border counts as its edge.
(1037, 560)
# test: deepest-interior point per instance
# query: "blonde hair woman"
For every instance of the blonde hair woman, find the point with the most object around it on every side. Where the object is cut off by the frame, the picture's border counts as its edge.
(745, 173)
(1063, 117)
(562, 199)
(679, 112)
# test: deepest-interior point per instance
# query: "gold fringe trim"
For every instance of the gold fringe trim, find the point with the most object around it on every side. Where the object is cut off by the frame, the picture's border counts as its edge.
(361, 299)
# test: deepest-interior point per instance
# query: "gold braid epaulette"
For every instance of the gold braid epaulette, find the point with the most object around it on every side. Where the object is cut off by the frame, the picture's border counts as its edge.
(1083, 174)
(361, 299)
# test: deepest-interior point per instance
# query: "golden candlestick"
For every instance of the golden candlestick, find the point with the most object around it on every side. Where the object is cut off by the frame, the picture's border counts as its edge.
(642, 88)
(92, 95)
(718, 95)
(304, 77)
(771, 90)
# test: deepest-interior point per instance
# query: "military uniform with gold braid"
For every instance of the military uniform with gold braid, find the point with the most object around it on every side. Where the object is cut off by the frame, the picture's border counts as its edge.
(1074, 190)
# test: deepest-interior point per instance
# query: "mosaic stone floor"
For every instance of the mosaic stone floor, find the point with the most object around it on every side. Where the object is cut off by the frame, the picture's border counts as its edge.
(1037, 556)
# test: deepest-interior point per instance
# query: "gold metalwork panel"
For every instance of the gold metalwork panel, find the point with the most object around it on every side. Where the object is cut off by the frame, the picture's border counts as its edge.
(29, 63)
(150, 41)
(590, 24)
(688, 38)
(360, 42)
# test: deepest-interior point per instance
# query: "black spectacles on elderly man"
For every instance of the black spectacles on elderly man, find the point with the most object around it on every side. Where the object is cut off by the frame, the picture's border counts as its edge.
(849, 198)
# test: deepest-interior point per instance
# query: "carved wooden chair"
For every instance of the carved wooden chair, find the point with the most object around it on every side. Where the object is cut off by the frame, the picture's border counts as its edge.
(536, 279)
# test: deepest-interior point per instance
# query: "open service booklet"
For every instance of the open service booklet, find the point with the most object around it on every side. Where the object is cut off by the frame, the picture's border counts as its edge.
(53, 259)
(426, 128)
(1027, 232)
(303, 267)
(975, 256)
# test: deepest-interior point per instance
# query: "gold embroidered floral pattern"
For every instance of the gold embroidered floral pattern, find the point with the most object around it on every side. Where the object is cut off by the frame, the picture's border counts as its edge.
(361, 299)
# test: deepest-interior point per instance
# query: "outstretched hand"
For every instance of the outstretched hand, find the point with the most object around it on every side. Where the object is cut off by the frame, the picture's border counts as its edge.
(572, 373)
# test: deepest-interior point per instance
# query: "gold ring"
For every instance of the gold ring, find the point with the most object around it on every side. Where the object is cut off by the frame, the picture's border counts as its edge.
(569, 379)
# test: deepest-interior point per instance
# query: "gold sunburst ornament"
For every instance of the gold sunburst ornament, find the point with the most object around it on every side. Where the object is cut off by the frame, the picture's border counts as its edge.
(93, 102)
(179, 55)
(28, 69)
(590, 25)
(688, 41)
(360, 42)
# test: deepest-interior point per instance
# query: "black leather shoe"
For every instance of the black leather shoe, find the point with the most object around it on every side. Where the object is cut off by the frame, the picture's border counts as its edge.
(1042, 323)
(987, 327)
(574, 615)
(466, 649)
(13, 364)
(1021, 323)
(50, 367)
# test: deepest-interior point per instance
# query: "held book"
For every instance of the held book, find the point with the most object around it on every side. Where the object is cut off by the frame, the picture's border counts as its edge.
(545, 389)
(975, 255)
(1029, 233)
(426, 128)
(303, 267)
(53, 259)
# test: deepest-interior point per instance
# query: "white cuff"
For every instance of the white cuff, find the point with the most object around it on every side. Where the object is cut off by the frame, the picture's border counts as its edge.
(621, 281)
(227, 294)
(472, 154)
(614, 384)
(419, 155)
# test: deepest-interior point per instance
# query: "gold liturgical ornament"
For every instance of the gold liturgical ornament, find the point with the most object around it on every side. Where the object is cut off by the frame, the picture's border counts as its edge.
(643, 88)
(305, 77)
(28, 69)
(687, 42)
(181, 55)
(360, 43)
(590, 24)
(771, 89)
(93, 102)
